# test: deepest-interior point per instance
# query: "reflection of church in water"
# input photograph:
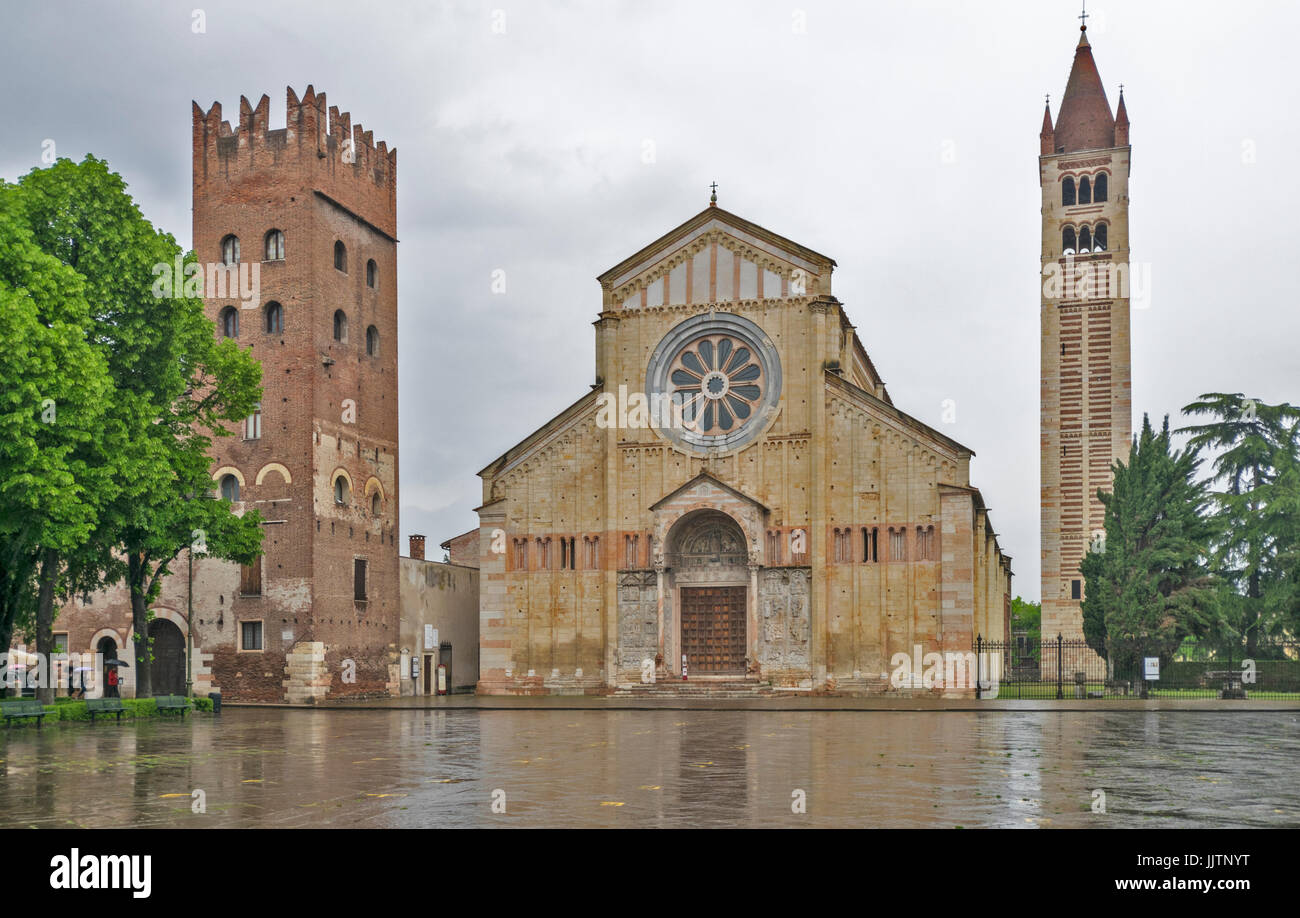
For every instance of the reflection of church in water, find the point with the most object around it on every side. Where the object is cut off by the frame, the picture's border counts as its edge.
(788, 526)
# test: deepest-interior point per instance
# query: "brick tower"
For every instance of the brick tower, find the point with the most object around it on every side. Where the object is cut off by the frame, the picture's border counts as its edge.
(313, 207)
(1086, 398)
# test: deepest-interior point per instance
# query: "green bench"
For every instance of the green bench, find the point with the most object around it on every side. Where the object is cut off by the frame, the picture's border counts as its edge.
(27, 707)
(104, 706)
(172, 703)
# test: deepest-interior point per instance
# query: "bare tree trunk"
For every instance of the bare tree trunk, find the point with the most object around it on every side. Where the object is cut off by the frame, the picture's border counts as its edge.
(45, 624)
(136, 577)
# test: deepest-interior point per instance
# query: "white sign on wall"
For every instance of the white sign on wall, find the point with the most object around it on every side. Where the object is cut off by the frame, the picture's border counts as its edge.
(1151, 668)
(430, 637)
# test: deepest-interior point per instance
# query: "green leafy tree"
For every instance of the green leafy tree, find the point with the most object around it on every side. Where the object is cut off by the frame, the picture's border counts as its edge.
(174, 388)
(1027, 619)
(1149, 585)
(1250, 440)
(53, 390)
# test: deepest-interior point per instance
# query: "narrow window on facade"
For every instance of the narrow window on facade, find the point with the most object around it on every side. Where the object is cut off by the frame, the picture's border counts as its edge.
(342, 490)
(1085, 191)
(250, 578)
(253, 424)
(1100, 188)
(250, 635)
(274, 318)
(359, 579)
(1068, 242)
(372, 274)
(1099, 239)
(340, 256)
(897, 544)
(1067, 192)
(372, 341)
(230, 250)
(1085, 240)
(1076, 589)
(340, 325)
(274, 245)
(230, 487)
(773, 546)
(229, 322)
(376, 505)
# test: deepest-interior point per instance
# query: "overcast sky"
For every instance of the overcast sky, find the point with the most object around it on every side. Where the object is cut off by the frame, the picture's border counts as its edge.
(522, 130)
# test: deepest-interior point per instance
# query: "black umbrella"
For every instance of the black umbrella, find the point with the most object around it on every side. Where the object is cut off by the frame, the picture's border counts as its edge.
(116, 663)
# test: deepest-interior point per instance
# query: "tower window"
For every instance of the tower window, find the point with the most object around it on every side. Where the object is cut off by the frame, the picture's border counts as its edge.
(1067, 192)
(340, 256)
(1076, 589)
(230, 250)
(275, 245)
(1099, 240)
(1099, 187)
(340, 325)
(359, 579)
(372, 341)
(1085, 240)
(229, 488)
(250, 578)
(372, 274)
(253, 424)
(376, 505)
(870, 544)
(274, 318)
(1085, 191)
(1068, 243)
(229, 322)
(342, 490)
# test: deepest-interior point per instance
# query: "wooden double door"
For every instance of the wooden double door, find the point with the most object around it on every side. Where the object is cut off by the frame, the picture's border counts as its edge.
(713, 630)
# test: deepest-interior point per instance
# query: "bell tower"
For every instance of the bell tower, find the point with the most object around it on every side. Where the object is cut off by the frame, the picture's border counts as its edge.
(1086, 397)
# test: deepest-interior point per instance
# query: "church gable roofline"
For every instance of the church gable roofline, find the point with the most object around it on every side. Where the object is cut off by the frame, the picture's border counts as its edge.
(538, 438)
(888, 409)
(682, 234)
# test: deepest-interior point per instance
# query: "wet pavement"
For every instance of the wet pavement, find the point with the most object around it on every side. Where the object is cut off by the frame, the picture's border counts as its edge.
(266, 767)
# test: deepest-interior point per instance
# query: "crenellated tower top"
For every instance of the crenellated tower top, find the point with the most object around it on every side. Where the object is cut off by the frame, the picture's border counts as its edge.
(319, 145)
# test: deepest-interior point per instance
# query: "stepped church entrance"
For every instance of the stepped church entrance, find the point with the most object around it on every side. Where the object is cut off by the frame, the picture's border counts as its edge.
(709, 566)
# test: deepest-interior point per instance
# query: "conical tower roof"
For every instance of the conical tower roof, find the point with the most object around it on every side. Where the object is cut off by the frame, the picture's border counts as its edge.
(1084, 121)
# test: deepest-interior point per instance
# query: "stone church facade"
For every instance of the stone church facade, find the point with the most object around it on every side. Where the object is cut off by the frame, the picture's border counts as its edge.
(737, 499)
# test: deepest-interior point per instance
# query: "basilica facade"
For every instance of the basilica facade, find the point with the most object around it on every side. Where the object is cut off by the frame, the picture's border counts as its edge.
(736, 500)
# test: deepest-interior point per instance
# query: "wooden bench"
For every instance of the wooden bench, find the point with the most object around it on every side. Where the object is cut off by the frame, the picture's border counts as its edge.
(104, 706)
(172, 703)
(27, 707)
(1231, 679)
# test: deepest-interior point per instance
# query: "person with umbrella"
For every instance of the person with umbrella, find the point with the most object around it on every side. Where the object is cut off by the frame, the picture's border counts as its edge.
(112, 679)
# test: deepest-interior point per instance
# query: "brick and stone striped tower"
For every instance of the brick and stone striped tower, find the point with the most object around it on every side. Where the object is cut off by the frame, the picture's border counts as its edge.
(1086, 398)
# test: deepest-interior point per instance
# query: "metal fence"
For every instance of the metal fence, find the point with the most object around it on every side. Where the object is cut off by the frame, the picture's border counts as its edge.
(1068, 668)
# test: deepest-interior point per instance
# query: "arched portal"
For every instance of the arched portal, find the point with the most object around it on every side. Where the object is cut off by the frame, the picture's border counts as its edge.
(168, 647)
(709, 565)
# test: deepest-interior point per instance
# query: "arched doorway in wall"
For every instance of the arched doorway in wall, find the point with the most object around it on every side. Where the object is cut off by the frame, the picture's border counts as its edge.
(107, 650)
(708, 562)
(168, 646)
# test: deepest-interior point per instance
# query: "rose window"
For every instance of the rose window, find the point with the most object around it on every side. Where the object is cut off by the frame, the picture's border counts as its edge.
(717, 383)
(720, 377)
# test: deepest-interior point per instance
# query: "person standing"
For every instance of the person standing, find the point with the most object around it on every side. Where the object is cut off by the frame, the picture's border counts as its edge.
(112, 682)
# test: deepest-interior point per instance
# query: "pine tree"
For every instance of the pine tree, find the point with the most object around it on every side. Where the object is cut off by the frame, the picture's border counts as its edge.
(1149, 586)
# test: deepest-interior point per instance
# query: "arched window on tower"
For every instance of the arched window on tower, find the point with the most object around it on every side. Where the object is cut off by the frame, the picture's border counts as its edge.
(1085, 240)
(1067, 192)
(229, 488)
(1085, 190)
(274, 318)
(1100, 187)
(229, 322)
(1068, 243)
(340, 325)
(230, 250)
(372, 342)
(340, 256)
(1099, 238)
(372, 274)
(275, 245)
(376, 504)
(342, 490)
